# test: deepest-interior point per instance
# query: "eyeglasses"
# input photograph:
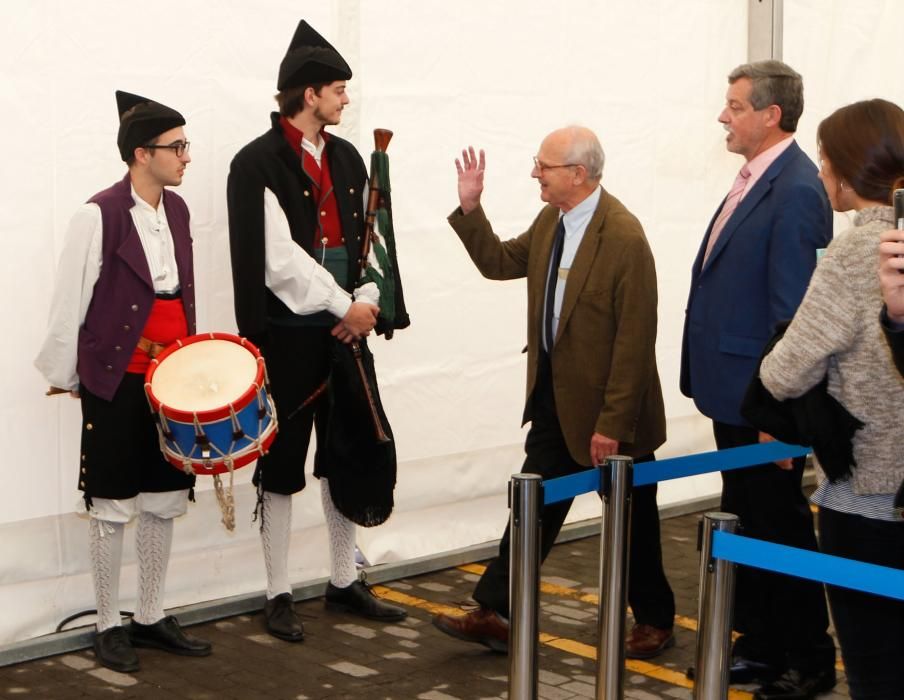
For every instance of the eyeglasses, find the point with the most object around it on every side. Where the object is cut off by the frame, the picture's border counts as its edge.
(541, 166)
(180, 148)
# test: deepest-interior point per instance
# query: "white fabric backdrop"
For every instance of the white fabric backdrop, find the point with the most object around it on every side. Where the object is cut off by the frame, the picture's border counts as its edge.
(648, 77)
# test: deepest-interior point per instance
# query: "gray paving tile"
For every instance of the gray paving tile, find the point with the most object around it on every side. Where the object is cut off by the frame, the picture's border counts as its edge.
(345, 658)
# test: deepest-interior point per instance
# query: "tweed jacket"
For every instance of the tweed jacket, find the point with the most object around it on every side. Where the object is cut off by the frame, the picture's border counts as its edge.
(604, 359)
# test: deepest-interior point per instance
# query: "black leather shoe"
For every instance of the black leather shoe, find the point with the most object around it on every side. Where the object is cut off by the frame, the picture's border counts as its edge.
(744, 671)
(358, 599)
(113, 650)
(166, 635)
(795, 685)
(281, 619)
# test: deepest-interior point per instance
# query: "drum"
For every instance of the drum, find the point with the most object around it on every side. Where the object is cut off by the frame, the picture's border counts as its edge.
(209, 393)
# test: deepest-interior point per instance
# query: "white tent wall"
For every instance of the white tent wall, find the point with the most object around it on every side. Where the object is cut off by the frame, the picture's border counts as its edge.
(648, 77)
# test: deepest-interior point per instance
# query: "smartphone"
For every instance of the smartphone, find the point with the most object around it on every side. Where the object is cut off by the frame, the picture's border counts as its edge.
(899, 209)
(898, 199)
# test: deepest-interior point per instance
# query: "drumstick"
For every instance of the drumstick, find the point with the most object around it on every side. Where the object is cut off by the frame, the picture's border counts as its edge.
(308, 401)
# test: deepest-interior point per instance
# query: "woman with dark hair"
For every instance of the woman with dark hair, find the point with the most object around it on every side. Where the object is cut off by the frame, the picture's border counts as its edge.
(836, 333)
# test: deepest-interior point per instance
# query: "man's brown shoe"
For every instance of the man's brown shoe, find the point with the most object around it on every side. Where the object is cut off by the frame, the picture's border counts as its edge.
(646, 641)
(482, 625)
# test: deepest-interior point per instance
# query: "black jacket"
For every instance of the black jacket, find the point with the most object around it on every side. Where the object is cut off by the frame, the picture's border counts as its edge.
(815, 418)
(895, 340)
(269, 162)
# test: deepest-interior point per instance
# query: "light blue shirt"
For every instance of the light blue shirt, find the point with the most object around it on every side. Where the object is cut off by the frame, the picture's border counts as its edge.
(575, 221)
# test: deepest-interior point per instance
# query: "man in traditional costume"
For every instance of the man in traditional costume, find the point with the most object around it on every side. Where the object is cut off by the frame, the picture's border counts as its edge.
(124, 290)
(296, 226)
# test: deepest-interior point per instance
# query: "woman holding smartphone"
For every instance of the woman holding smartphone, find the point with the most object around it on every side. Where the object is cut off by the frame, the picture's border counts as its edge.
(836, 333)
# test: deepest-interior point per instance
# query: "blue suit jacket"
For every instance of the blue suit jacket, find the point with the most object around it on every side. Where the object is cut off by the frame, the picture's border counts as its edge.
(755, 276)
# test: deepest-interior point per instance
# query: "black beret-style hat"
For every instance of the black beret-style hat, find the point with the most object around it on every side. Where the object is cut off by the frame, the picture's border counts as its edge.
(141, 120)
(310, 59)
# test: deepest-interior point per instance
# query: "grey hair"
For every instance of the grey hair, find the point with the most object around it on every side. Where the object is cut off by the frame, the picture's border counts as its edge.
(586, 150)
(774, 83)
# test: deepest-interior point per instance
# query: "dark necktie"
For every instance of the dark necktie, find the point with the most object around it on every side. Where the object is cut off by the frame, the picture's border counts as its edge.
(551, 280)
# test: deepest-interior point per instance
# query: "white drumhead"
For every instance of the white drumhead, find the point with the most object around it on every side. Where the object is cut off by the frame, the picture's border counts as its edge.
(204, 375)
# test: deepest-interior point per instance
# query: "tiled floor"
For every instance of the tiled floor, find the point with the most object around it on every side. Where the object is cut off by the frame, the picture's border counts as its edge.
(343, 657)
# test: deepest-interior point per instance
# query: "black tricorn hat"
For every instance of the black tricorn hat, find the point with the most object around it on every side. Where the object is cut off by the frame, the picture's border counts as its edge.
(310, 59)
(141, 120)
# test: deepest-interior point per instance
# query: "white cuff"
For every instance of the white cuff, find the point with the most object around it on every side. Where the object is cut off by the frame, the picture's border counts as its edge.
(339, 304)
(368, 292)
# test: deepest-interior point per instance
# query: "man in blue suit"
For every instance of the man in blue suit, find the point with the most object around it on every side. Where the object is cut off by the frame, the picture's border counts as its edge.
(751, 272)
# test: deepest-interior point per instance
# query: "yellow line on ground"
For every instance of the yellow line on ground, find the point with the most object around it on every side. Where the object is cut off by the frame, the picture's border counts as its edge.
(413, 602)
(666, 675)
(687, 623)
(569, 646)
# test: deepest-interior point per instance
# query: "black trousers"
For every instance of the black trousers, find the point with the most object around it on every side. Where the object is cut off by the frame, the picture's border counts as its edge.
(870, 628)
(298, 362)
(649, 593)
(121, 454)
(783, 620)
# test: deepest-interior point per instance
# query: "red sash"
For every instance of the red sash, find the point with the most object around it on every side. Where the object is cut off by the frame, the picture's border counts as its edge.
(165, 325)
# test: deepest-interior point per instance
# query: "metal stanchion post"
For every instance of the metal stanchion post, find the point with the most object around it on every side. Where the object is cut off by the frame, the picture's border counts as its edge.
(526, 497)
(717, 579)
(616, 478)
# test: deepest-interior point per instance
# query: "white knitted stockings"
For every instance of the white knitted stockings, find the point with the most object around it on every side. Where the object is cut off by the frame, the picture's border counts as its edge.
(105, 550)
(153, 544)
(277, 523)
(341, 533)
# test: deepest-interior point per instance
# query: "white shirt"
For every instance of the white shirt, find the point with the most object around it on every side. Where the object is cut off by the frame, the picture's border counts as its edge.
(297, 279)
(78, 272)
(316, 152)
(575, 221)
(760, 164)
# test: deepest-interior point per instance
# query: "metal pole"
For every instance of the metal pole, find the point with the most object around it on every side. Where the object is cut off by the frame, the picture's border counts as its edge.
(765, 29)
(526, 498)
(616, 479)
(717, 578)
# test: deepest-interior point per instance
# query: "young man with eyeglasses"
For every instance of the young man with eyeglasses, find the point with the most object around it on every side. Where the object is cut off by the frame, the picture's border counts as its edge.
(125, 289)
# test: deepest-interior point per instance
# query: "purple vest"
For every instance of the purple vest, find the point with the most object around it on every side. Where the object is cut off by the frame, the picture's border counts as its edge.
(124, 292)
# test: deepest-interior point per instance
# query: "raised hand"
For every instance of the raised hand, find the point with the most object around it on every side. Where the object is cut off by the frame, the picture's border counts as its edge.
(470, 179)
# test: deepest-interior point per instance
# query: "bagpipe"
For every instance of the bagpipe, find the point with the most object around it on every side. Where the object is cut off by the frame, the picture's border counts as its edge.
(360, 447)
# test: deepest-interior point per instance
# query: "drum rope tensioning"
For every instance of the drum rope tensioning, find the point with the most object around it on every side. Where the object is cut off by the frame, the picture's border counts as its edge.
(210, 396)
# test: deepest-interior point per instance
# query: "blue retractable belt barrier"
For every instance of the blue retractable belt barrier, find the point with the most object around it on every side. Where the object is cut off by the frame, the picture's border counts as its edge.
(566, 487)
(825, 568)
(718, 461)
